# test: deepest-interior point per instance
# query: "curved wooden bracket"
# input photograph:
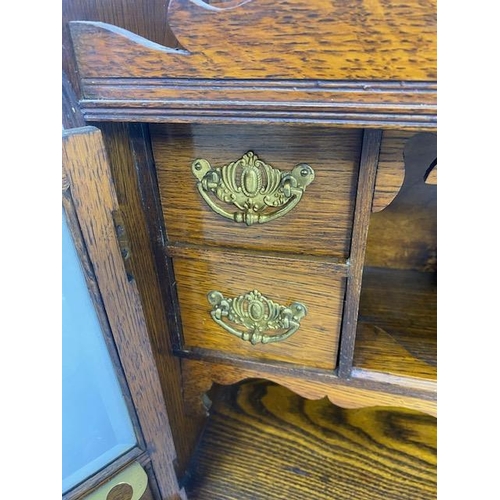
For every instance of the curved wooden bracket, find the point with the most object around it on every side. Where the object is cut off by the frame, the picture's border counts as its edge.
(198, 377)
(390, 168)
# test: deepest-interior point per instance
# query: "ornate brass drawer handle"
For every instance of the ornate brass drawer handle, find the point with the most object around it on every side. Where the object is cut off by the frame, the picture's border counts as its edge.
(260, 192)
(256, 314)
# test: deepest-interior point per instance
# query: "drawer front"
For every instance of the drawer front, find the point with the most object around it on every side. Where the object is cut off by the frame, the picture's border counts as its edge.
(256, 286)
(320, 223)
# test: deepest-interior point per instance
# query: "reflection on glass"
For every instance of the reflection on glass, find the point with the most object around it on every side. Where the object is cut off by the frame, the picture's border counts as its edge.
(96, 425)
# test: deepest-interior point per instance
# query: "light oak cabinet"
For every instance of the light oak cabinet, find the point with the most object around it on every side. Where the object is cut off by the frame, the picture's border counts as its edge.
(273, 167)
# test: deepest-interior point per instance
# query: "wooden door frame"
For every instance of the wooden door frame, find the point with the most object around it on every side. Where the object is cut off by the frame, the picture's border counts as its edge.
(89, 200)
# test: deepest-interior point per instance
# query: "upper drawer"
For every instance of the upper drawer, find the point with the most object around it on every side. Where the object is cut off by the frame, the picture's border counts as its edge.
(319, 224)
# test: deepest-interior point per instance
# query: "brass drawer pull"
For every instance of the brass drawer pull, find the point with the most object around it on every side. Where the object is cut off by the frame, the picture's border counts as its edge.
(256, 314)
(253, 186)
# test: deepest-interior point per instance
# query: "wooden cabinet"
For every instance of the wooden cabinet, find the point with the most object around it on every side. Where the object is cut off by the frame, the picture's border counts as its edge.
(270, 163)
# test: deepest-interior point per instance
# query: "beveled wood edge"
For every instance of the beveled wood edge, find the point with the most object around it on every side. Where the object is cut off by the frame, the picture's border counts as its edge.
(253, 113)
(397, 97)
(388, 379)
(199, 376)
(403, 87)
(195, 252)
(165, 115)
(386, 104)
(363, 379)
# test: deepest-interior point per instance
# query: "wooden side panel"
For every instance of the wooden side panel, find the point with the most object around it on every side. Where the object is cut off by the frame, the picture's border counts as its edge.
(404, 235)
(397, 323)
(319, 225)
(128, 159)
(391, 168)
(86, 164)
(314, 284)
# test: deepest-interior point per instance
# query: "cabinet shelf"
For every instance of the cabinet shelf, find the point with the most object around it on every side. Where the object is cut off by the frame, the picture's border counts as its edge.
(262, 441)
(396, 332)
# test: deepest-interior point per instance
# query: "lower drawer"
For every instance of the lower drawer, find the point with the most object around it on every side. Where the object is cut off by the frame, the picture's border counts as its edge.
(260, 307)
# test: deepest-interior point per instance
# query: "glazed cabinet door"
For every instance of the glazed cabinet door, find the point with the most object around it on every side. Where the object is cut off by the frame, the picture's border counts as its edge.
(117, 442)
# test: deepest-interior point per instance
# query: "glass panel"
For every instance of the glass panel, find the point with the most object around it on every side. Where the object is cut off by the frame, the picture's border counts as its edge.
(96, 425)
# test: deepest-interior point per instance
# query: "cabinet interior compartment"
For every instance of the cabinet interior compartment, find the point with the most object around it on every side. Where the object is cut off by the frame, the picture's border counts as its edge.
(397, 321)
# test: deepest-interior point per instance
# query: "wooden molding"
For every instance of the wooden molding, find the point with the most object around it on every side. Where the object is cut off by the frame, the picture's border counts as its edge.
(198, 377)
(125, 77)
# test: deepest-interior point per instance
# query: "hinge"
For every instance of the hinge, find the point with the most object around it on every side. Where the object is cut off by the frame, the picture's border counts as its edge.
(123, 242)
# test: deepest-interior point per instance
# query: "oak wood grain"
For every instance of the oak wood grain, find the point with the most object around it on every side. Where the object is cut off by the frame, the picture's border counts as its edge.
(313, 283)
(390, 168)
(364, 200)
(264, 442)
(87, 166)
(347, 393)
(319, 225)
(352, 64)
(351, 104)
(147, 18)
(397, 323)
(404, 235)
(321, 40)
(129, 164)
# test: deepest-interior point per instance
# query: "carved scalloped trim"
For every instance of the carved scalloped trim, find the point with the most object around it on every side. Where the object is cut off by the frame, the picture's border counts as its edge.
(129, 36)
(199, 377)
